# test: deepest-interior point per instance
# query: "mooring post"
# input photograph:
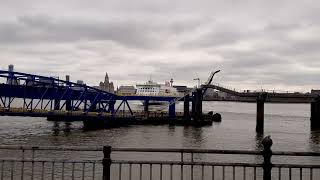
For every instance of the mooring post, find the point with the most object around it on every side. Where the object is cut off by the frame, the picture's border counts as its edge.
(56, 104)
(186, 113)
(106, 162)
(111, 106)
(68, 102)
(193, 105)
(172, 110)
(93, 106)
(315, 114)
(68, 105)
(260, 112)
(198, 104)
(267, 153)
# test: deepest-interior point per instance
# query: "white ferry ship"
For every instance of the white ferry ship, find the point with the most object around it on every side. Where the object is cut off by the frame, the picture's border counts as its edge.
(152, 88)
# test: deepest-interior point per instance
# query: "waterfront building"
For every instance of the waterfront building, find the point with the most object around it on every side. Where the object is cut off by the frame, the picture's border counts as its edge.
(106, 85)
(126, 90)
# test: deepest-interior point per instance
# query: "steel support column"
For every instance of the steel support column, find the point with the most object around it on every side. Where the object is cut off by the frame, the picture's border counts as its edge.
(146, 105)
(197, 104)
(186, 111)
(260, 112)
(172, 110)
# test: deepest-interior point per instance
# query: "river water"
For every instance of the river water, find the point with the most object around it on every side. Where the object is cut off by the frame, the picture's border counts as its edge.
(288, 125)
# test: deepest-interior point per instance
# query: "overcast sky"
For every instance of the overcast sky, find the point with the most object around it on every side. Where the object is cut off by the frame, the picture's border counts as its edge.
(270, 44)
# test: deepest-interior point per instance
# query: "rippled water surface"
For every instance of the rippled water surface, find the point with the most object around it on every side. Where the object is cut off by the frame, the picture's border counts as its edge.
(288, 125)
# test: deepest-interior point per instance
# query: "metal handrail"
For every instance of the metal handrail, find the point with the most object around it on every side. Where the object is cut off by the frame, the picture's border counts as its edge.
(159, 150)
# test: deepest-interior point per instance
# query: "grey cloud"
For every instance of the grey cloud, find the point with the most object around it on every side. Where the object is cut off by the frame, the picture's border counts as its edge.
(43, 29)
(249, 41)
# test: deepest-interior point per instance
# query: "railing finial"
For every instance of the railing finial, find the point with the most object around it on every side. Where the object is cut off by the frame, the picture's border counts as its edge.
(267, 142)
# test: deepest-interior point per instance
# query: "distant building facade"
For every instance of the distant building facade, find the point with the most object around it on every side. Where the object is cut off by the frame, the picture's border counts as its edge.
(106, 85)
(126, 90)
(315, 91)
(12, 80)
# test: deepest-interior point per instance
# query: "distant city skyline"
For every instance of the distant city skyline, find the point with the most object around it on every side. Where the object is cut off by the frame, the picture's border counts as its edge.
(256, 44)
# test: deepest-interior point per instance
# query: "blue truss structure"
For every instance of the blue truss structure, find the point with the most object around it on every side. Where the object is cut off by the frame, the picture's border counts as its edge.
(49, 93)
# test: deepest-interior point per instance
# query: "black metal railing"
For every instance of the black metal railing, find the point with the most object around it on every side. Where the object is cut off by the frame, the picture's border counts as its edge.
(25, 162)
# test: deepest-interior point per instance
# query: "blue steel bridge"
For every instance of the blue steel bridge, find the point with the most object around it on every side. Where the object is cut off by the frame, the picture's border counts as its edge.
(58, 99)
(44, 96)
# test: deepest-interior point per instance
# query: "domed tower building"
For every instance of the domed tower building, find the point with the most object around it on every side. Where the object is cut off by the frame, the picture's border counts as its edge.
(106, 85)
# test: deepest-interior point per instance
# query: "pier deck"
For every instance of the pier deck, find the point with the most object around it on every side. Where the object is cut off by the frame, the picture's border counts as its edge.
(121, 118)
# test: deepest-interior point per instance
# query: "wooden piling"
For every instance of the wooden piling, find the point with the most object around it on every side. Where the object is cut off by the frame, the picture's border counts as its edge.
(260, 112)
(172, 110)
(186, 112)
(56, 104)
(315, 114)
(260, 116)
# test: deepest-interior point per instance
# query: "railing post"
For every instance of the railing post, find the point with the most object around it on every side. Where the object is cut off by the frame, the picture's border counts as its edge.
(106, 162)
(267, 153)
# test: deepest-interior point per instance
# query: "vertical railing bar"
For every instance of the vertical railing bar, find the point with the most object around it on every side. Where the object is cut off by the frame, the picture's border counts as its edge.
(130, 171)
(33, 153)
(72, 171)
(160, 171)
(170, 171)
(12, 164)
(212, 171)
(120, 169)
(32, 163)
(244, 173)
(32, 169)
(2, 166)
(93, 170)
(233, 172)
(42, 170)
(2, 169)
(192, 157)
(223, 172)
(279, 173)
(181, 169)
(191, 173)
(191, 166)
(255, 173)
(140, 166)
(22, 154)
(106, 162)
(311, 175)
(289, 173)
(52, 171)
(22, 169)
(22, 165)
(300, 173)
(150, 171)
(202, 171)
(62, 171)
(83, 170)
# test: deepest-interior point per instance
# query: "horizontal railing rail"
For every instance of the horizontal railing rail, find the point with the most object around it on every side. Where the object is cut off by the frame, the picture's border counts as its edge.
(165, 150)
